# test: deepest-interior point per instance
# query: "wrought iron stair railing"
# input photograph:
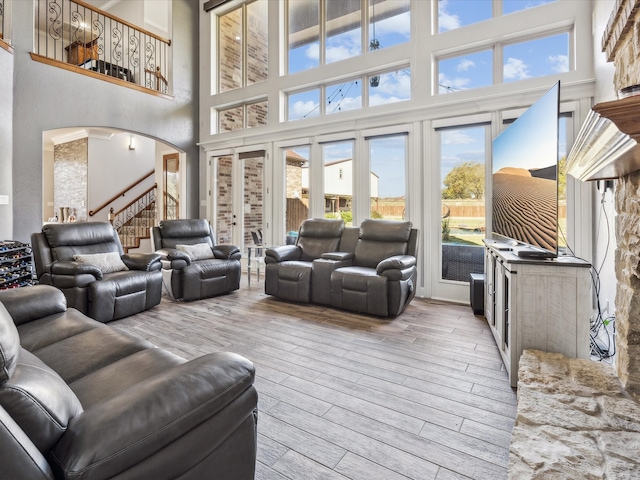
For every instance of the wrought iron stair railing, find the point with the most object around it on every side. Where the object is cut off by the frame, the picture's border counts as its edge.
(133, 223)
(77, 36)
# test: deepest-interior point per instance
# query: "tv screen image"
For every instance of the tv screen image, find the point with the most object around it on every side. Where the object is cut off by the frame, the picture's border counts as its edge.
(525, 173)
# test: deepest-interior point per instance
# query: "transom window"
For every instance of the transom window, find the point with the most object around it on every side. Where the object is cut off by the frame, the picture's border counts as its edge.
(388, 24)
(454, 14)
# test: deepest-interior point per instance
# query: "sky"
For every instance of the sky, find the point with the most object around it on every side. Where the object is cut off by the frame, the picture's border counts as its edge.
(539, 57)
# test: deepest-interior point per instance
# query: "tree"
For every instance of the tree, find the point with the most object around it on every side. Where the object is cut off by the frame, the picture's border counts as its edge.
(465, 180)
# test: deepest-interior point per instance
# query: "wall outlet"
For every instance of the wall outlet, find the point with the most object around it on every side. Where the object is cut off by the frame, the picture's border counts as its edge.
(4, 199)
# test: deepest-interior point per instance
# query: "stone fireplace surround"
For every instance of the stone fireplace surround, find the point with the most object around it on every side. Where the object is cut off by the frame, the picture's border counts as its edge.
(578, 418)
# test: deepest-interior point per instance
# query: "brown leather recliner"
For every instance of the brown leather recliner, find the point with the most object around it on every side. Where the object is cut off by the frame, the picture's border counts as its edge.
(87, 262)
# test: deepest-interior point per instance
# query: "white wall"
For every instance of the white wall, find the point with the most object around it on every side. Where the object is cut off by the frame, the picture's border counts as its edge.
(6, 142)
(112, 159)
(604, 209)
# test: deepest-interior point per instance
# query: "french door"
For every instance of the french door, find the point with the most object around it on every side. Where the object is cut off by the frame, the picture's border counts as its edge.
(237, 197)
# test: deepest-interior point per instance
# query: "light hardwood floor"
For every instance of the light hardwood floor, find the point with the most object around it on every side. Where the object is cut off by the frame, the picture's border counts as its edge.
(347, 396)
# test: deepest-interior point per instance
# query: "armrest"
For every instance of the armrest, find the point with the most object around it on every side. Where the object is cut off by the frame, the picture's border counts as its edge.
(227, 252)
(398, 263)
(173, 258)
(38, 301)
(338, 256)
(282, 254)
(142, 261)
(66, 267)
(115, 435)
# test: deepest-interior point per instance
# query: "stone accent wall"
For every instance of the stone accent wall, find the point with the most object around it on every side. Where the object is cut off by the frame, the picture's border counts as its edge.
(627, 262)
(70, 167)
(621, 42)
(574, 421)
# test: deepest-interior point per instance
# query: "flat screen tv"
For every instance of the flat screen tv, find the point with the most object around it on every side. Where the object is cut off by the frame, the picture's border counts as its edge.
(525, 173)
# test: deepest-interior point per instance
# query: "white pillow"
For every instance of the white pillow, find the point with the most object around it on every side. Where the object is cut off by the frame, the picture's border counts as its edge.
(199, 251)
(106, 262)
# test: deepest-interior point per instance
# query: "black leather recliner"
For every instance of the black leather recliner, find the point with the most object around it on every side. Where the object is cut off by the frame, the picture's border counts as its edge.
(87, 262)
(193, 266)
(80, 400)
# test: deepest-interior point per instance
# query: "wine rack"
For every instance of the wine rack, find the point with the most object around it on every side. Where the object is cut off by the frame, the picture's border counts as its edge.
(16, 265)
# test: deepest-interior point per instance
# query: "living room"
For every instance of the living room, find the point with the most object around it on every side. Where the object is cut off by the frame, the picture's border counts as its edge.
(432, 111)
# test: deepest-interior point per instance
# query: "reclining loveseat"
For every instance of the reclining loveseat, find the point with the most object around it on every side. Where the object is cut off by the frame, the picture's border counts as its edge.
(82, 400)
(369, 269)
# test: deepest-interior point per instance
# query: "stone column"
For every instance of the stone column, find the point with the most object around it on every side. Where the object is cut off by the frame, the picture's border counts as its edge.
(627, 261)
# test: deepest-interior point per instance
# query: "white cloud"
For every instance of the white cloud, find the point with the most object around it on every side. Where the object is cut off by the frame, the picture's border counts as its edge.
(341, 52)
(398, 24)
(344, 104)
(515, 69)
(559, 63)
(465, 64)
(446, 21)
(304, 110)
(455, 137)
(446, 84)
(313, 52)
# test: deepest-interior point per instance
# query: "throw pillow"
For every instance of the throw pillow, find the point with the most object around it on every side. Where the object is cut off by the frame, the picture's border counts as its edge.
(106, 262)
(198, 251)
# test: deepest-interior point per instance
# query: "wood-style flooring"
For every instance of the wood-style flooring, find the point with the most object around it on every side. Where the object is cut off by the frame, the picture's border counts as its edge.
(347, 396)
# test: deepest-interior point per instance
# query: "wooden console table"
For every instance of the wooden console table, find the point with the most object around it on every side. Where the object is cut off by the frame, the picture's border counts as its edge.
(536, 304)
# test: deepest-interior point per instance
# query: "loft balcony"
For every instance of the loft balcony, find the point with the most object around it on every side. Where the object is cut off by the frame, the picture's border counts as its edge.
(79, 37)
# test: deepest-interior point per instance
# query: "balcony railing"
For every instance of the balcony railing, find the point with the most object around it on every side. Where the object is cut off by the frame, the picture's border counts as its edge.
(76, 34)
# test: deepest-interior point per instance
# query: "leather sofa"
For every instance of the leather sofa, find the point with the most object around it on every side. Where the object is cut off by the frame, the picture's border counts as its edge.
(370, 269)
(87, 262)
(81, 400)
(193, 265)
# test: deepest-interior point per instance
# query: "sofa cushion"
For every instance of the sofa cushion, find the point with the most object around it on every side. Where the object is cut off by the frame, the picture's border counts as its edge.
(184, 228)
(107, 262)
(9, 345)
(39, 401)
(199, 251)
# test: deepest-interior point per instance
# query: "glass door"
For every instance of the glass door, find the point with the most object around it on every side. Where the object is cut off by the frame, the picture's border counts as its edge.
(461, 214)
(171, 187)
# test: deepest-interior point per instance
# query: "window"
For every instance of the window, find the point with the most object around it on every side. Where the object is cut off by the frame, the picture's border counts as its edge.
(342, 22)
(536, 58)
(389, 87)
(304, 104)
(243, 46)
(297, 186)
(343, 26)
(472, 70)
(338, 180)
(510, 6)
(389, 23)
(387, 157)
(343, 96)
(462, 166)
(242, 116)
(454, 14)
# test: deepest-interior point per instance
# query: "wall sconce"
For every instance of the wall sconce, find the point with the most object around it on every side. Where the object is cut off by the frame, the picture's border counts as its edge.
(132, 143)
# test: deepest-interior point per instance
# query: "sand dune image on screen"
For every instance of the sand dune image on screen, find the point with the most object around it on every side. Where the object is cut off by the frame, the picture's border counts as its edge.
(524, 207)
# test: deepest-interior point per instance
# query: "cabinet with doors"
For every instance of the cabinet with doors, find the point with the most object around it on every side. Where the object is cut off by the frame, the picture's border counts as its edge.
(536, 304)
(16, 264)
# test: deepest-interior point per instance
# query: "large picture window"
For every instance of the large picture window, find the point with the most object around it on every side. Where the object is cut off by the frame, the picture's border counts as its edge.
(243, 46)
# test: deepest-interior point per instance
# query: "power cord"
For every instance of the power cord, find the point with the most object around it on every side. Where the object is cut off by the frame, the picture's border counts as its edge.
(602, 329)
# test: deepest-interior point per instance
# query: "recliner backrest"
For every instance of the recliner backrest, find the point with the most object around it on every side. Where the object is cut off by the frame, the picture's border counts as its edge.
(319, 235)
(35, 396)
(191, 231)
(380, 239)
(68, 239)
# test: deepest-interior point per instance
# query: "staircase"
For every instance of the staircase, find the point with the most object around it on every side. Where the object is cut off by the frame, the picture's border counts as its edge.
(137, 227)
(133, 223)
